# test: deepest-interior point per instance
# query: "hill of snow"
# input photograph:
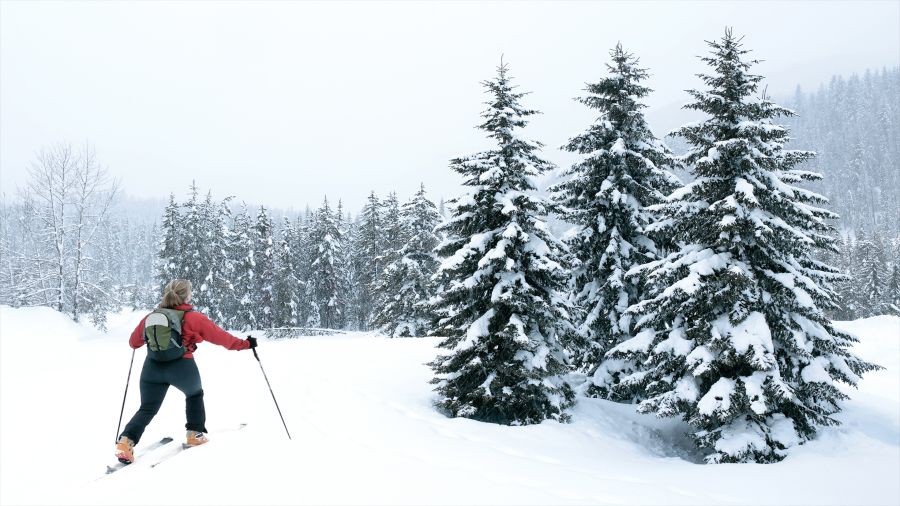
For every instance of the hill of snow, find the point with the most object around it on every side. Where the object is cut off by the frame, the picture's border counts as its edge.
(365, 432)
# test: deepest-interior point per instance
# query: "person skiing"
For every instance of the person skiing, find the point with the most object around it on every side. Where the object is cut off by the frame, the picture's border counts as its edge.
(180, 371)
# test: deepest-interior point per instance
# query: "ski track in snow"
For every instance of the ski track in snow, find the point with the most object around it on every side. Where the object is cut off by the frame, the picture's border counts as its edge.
(365, 432)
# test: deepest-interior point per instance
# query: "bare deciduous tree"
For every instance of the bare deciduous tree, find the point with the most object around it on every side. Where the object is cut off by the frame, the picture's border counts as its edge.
(69, 197)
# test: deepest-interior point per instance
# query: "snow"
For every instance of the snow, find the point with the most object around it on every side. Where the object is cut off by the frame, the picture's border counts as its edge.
(365, 432)
(753, 332)
(718, 398)
(816, 372)
(476, 330)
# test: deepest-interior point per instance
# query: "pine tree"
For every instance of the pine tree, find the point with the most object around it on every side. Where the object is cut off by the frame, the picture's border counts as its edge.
(497, 299)
(405, 282)
(870, 274)
(193, 260)
(307, 313)
(170, 244)
(393, 234)
(342, 296)
(845, 286)
(365, 260)
(392, 240)
(288, 287)
(242, 252)
(892, 295)
(217, 282)
(264, 279)
(310, 313)
(734, 339)
(626, 169)
(325, 274)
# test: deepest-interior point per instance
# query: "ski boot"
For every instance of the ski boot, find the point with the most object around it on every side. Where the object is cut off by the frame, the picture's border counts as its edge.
(195, 438)
(125, 450)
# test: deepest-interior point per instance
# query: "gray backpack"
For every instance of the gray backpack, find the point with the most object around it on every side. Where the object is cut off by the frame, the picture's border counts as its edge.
(162, 333)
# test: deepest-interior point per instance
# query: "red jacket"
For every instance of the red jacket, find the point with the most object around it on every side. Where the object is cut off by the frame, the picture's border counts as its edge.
(195, 328)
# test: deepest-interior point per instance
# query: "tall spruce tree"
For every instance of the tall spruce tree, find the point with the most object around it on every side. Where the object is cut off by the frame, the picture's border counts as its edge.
(309, 249)
(217, 282)
(870, 276)
(193, 258)
(169, 244)
(893, 290)
(287, 285)
(393, 235)
(734, 339)
(241, 252)
(264, 278)
(392, 239)
(325, 269)
(845, 286)
(498, 303)
(342, 296)
(365, 261)
(624, 170)
(406, 282)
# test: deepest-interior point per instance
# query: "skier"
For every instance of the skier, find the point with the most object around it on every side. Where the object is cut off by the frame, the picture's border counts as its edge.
(182, 372)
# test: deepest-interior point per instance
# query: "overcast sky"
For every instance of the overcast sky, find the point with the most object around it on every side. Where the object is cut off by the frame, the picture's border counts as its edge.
(285, 102)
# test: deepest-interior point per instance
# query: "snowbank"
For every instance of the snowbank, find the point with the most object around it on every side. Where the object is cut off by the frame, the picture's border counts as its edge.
(364, 432)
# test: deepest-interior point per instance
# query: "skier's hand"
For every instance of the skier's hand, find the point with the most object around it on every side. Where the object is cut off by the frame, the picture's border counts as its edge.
(252, 341)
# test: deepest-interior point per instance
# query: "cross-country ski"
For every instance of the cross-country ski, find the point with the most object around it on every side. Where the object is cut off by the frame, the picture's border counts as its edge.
(140, 454)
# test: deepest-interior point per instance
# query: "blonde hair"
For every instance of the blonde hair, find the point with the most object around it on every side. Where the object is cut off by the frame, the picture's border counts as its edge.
(176, 293)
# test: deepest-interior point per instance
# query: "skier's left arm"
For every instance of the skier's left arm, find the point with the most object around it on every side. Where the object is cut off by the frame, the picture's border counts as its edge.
(209, 331)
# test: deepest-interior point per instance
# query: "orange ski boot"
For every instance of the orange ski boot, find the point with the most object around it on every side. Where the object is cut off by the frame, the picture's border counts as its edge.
(125, 450)
(195, 438)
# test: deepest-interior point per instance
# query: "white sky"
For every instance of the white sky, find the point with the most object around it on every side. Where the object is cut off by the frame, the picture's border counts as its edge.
(282, 103)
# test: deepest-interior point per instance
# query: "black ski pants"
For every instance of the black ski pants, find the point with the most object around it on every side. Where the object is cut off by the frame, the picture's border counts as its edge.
(155, 380)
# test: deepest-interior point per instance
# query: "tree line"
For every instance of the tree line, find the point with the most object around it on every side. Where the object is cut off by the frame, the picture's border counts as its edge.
(319, 269)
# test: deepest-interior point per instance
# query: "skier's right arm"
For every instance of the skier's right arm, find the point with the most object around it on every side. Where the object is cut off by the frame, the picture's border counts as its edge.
(137, 337)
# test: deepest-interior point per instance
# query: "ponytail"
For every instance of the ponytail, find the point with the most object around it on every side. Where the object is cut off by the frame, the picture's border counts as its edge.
(175, 293)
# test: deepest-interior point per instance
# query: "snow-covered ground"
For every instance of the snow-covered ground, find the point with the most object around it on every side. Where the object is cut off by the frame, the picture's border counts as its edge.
(364, 432)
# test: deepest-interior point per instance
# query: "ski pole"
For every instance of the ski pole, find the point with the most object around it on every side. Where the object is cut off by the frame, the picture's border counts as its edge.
(271, 392)
(126, 394)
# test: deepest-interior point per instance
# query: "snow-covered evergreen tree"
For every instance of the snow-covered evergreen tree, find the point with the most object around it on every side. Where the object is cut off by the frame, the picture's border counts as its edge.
(264, 279)
(605, 194)
(302, 249)
(845, 286)
(309, 249)
(217, 286)
(365, 260)
(392, 239)
(193, 259)
(498, 302)
(170, 244)
(342, 296)
(734, 339)
(393, 235)
(242, 255)
(287, 285)
(325, 269)
(406, 282)
(870, 276)
(893, 290)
